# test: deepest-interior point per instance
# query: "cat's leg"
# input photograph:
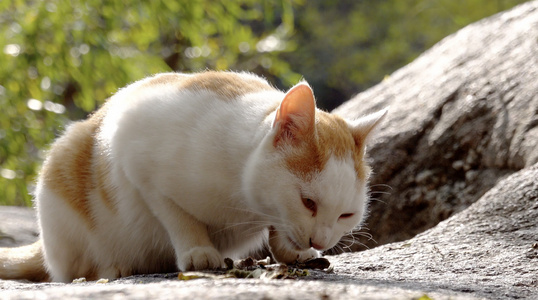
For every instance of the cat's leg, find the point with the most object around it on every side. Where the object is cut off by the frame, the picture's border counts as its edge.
(193, 247)
(282, 250)
(64, 239)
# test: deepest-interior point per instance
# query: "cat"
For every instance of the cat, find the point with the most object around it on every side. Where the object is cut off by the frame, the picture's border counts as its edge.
(177, 171)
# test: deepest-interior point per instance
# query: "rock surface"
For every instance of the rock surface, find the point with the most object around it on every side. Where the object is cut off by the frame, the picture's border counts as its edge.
(18, 226)
(462, 116)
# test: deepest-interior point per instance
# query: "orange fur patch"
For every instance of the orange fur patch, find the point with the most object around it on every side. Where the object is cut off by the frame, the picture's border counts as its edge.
(68, 169)
(100, 163)
(101, 177)
(332, 137)
(229, 86)
(74, 169)
(166, 79)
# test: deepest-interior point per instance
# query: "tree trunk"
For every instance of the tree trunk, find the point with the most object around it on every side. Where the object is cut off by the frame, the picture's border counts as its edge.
(462, 116)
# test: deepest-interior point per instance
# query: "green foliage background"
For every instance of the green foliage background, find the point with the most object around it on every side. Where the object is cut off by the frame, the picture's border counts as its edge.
(60, 59)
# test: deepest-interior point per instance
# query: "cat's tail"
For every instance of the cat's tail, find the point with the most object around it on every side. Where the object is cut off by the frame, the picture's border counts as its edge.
(26, 262)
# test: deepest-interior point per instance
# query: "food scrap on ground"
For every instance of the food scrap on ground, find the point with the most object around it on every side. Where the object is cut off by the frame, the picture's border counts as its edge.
(263, 269)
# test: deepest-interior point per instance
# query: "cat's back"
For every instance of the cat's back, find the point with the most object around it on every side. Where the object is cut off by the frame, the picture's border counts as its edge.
(180, 88)
(204, 124)
(226, 85)
(179, 101)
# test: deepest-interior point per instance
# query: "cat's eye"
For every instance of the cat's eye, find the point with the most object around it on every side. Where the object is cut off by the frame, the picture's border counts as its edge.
(346, 216)
(310, 205)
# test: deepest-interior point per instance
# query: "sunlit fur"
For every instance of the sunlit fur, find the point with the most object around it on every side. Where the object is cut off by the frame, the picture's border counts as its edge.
(178, 171)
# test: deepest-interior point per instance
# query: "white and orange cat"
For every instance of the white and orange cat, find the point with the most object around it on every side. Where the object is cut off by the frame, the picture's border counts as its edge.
(177, 171)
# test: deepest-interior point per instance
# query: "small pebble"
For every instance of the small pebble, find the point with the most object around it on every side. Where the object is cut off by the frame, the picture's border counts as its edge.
(79, 280)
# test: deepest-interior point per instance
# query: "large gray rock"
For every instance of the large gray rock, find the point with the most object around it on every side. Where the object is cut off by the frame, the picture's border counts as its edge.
(18, 226)
(462, 116)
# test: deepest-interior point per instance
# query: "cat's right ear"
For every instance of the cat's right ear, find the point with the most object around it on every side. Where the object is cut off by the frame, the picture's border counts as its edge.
(295, 118)
(362, 128)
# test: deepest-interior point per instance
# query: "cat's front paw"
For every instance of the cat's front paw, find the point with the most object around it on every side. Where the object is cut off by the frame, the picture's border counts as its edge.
(308, 254)
(292, 256)
(200, 258)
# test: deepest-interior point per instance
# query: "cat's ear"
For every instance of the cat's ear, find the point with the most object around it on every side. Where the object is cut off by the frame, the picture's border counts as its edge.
(295, 118)
(362, 128)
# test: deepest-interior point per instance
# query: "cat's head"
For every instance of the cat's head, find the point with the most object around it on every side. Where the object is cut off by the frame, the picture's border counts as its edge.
(308, 177)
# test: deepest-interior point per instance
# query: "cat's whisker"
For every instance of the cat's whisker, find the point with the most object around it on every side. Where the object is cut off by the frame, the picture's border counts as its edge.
(362, 234)
(287, 230)
(349, 238)
(380, 192)
(266, 222)
(255, 226)
(366, 235)
(336, 249)
(374, 191)
(347, 242)
(378, 200)
(252, 232)
(381, 185)
(268, 216)
(341, 247)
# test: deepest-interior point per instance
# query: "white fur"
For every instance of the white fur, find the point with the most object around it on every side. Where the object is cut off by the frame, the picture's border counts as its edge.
(197, 178)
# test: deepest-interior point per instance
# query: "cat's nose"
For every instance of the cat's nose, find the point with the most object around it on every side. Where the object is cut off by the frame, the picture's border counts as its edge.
(315, 246)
